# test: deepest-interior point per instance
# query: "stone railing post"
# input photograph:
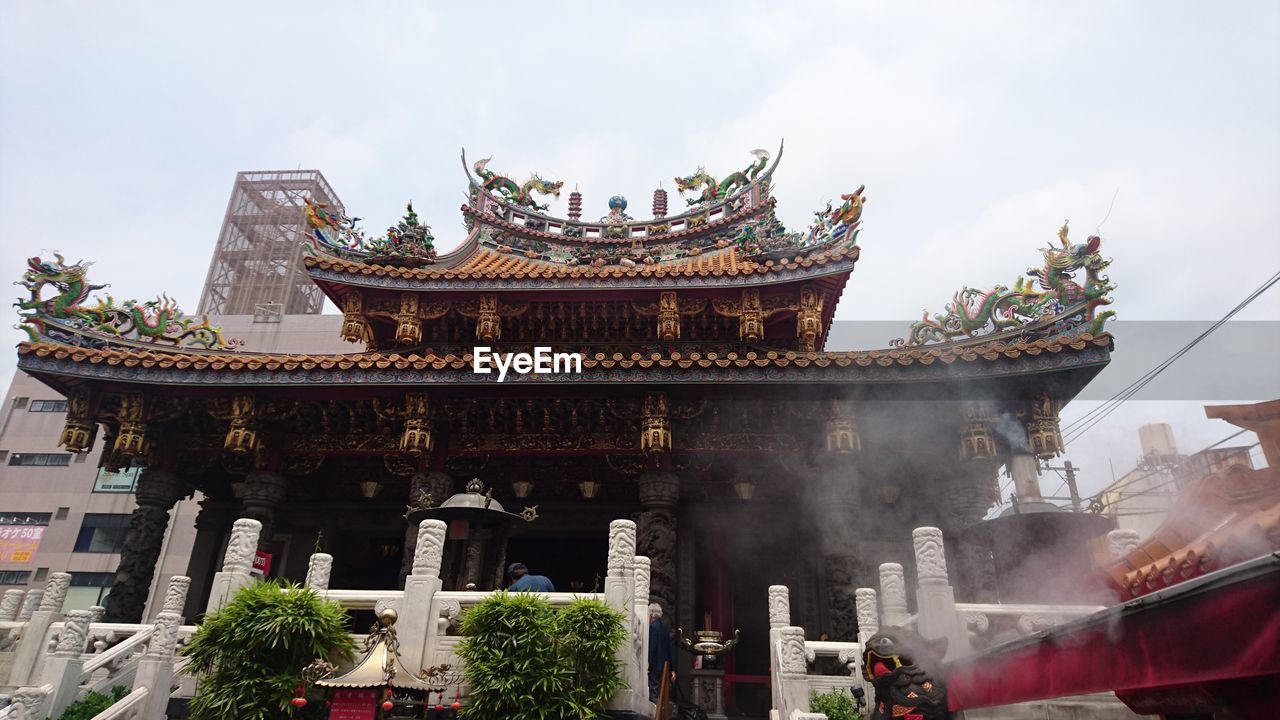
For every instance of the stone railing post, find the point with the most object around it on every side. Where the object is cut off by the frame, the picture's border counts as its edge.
(791, 672)
(237, 563)
(868, 625)
(935, 598)
(11, 604)
(779, 618)
(893, 596)
(175, 595)
(619, 590)
(319, 568)
(30, 703)
(41, 609)
(62, 668)
(155, 667)
(418, 631)
(640, 623)
(30, 604)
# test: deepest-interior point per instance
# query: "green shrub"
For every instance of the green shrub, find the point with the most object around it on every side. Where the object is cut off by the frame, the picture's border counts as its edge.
(589, 634)
(836, 704)
(525, 661)
(250, 652)
(93, 703)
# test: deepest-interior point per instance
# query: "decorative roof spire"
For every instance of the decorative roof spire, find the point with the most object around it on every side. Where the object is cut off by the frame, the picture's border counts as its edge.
(575, 205)
(659, 202)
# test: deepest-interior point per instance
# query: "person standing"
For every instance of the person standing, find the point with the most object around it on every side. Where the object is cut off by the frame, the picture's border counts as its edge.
(522, 581)
(662, 650)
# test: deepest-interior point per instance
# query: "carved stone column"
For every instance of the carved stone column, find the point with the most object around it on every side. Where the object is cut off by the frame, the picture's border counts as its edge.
(968, 499)
(264, 493)
(319, 568)
(842, 570)
(426, 489)
(157, 492)
(893, 595)
(659, 494)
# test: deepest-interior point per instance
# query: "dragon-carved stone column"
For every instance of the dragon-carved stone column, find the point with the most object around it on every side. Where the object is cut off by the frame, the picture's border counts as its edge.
(968, 497)
(841, 567)
(264, 493)
(157, 492)
(656, 539)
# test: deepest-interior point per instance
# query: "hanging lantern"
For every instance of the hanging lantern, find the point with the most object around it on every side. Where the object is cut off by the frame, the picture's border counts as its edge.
(521, 488)
(744, 489)
(1044, 436)
(370, 489)
(842, 428)
(976, 439)
(589, 489)
(655, 424)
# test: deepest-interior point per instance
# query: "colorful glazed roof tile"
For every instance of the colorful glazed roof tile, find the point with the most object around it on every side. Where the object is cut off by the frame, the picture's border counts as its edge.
(946, 362)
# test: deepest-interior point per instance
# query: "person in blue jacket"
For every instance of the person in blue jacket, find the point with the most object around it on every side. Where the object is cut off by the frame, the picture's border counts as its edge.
(522, 581)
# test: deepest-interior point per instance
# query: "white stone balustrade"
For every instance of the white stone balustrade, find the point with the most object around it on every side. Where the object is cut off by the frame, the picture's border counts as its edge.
(935, 598)
(319, 568)
(893, 595)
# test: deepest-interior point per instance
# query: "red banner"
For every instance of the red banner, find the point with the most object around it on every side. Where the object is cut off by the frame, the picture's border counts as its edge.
(261, 563)
(19, 542)
(354, 704)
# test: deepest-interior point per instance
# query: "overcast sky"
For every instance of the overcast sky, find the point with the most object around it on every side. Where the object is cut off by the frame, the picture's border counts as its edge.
(976, 127)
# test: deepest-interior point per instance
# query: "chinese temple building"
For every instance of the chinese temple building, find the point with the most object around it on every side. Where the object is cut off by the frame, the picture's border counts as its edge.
(704, 403)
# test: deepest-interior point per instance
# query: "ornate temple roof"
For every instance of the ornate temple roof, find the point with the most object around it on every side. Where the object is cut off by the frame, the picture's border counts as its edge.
(728, 234)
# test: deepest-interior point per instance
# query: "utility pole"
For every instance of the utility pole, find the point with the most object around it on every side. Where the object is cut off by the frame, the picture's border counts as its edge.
(1070, 471)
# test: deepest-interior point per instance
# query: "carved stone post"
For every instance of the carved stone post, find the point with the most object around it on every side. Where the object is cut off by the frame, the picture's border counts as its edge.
(157, 492)
(640, 623)
(935, 600)
(10, 605)
(155, 668)
(175, 595)
(790, 672)
(659, 494)
(264, 493)
(236, 564)
(779, 618)
(418, 630)
(319, 568)
(30, 703)
(41, 609)
(62, 669)
(426, 489)
(868, 625)
(893, 595)
(619, 590)
(30, 604)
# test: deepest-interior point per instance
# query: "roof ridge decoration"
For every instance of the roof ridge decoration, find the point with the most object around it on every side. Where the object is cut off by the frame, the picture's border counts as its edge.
(408, 243)
(64, 318)
(520, 194)
(1053, 305)
(714, 190)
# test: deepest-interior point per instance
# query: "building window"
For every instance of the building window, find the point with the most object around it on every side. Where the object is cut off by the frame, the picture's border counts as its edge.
(88, 589)
(25, 518)
(47, 406)
(102, 533)
(117, 482)
(29, 459)
(14, 577)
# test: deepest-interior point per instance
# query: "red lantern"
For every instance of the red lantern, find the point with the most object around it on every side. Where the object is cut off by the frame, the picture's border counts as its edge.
(387, 705)
(299, 702)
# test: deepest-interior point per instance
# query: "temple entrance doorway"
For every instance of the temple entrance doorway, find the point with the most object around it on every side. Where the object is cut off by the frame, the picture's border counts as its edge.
(573, 563)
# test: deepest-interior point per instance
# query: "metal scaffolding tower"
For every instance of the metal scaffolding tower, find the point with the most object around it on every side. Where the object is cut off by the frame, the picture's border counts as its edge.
(257, 264)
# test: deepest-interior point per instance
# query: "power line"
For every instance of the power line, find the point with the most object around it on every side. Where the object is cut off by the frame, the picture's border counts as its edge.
(1081, 425)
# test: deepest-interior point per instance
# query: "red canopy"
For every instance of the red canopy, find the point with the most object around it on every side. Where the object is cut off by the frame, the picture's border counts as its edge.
(1217, 627)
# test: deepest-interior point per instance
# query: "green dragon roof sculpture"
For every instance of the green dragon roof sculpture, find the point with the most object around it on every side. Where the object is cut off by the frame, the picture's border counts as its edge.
(1052, 304)
(65, 317)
